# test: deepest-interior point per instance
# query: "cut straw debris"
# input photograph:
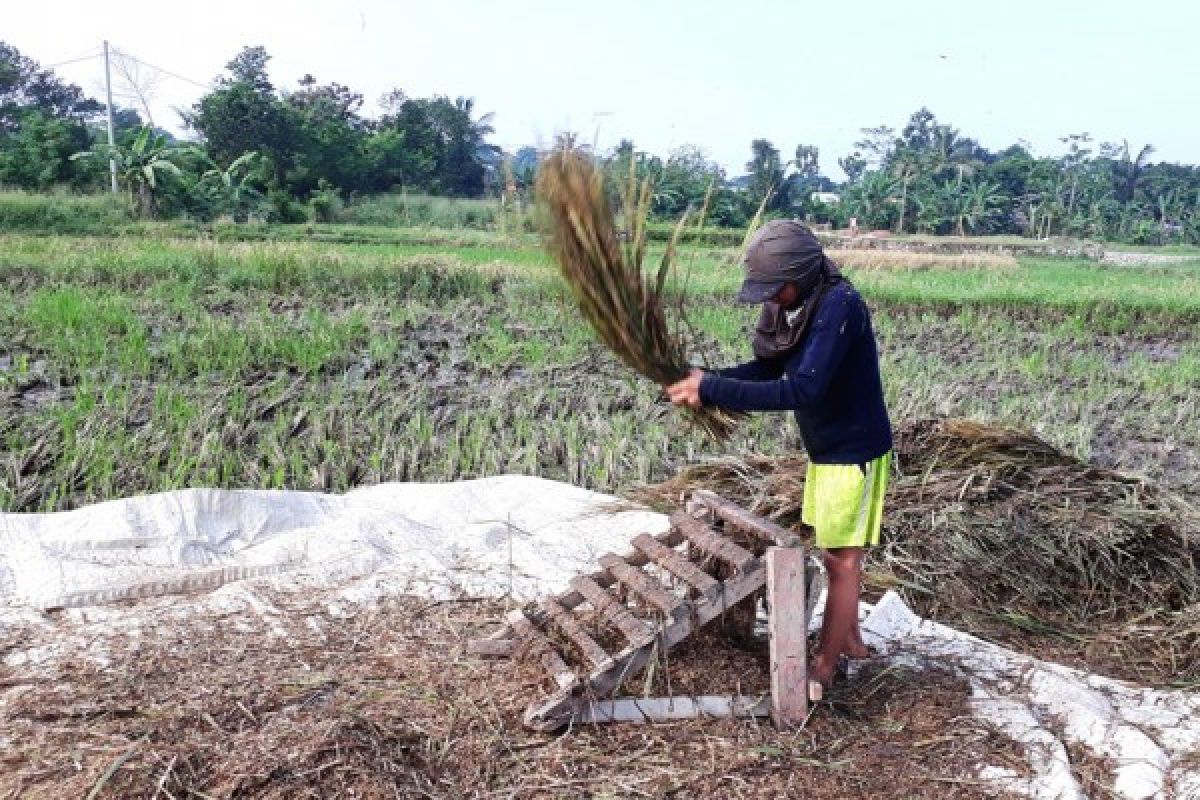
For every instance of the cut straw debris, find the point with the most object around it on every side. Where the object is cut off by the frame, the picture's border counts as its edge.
(622, 302)
(997, 532)
(901, 260)
(383, 702)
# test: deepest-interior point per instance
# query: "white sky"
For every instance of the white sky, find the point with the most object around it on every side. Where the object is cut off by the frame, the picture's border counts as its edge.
(715, 74)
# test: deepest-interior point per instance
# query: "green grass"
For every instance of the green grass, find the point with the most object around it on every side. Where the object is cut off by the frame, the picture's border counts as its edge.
(61, 212)
(132, 364)
(423, 211)
(1114, 296)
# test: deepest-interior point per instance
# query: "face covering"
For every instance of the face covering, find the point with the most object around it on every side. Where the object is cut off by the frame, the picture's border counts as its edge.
(781, 330)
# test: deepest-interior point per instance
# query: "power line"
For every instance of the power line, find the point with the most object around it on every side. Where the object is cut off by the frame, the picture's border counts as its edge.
(175, 75)
(72, 61)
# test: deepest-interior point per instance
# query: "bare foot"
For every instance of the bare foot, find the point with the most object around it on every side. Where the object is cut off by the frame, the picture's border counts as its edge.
(821, 671)
(857, 650)
(855, 647)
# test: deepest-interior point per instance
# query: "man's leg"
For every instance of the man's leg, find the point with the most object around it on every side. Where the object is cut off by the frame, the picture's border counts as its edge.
(843, 565)
(855, 647)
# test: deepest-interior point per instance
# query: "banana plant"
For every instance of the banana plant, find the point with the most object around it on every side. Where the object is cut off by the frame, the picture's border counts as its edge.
(139, 166)
(231, 184)
(873, 197)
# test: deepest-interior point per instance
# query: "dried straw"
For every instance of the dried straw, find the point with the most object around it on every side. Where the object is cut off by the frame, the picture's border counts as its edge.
(996, 531)
(901, 260)
(622, 303)
(386, 704)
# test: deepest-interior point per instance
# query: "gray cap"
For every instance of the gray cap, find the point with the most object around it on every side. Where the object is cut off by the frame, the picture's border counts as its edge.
(781, 252)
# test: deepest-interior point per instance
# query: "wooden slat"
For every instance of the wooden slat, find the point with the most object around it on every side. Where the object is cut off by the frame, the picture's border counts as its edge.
(788, 629)
(674, 563)
(642, 584)
(712, 543)
(557, 710)
(571, 598)
(636, 631)
(494, 647)
(565, 622)
(563, 675)
(665, 709)
(738, 517)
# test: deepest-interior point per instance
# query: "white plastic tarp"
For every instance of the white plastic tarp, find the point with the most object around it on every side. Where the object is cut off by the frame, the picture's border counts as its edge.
(520, 537)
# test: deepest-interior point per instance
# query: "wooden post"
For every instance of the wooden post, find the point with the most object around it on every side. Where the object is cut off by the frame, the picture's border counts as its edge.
(788, 630)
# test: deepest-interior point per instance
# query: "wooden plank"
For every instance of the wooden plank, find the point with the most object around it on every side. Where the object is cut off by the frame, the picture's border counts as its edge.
(556, 711)
(712, 543)
(565, 622)
(674, 563)
(738, 517)
(636, 631)
(645, 587)
(563, 675)
(493, 647)
(666, 709)
(788, 630)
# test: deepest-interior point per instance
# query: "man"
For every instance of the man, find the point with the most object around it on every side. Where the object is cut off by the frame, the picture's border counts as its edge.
(815, 355)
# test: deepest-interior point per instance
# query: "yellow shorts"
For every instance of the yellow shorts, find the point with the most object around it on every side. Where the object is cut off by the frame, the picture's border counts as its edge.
(844, 502)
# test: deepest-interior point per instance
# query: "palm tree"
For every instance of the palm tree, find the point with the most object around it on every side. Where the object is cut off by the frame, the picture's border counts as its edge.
(1128, 171)
(906, 167)
(952, 151)
(766, 170)
(477, 131)
(466, 162)
(140, 164)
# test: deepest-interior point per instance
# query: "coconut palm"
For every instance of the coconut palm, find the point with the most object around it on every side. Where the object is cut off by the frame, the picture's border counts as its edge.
(951, 151)
(1128, 171)
(476, 132)
(905, 168)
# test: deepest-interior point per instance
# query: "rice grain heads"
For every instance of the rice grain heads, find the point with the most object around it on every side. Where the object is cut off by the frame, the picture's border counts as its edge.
(622, 302)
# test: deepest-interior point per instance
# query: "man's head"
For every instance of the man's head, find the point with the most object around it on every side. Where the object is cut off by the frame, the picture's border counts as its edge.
(782, 253)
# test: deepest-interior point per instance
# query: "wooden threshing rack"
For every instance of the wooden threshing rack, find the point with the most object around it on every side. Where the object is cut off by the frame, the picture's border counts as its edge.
(713, 561)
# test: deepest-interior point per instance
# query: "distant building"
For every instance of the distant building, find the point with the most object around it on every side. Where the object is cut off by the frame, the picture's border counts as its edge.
(828, 198)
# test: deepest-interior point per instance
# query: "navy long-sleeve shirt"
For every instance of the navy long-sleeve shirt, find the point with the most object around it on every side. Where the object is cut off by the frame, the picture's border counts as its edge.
(831, 382)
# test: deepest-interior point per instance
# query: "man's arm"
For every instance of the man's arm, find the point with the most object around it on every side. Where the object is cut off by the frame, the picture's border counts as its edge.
(760, 369)
(687, 390)
(805, 376)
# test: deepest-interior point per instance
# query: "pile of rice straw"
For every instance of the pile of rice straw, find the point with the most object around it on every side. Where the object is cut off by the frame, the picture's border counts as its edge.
(997, 532)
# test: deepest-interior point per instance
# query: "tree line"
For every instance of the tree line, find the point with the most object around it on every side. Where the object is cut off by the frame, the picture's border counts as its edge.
(288, 155)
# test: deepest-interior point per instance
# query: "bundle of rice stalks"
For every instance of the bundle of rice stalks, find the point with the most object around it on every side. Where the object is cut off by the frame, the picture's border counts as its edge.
(998, 532)
(622, 303)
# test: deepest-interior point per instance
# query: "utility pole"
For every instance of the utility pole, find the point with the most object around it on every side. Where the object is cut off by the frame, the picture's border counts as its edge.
(112, 139)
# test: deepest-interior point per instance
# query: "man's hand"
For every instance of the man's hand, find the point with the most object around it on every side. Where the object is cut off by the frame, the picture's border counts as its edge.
(687, 391)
